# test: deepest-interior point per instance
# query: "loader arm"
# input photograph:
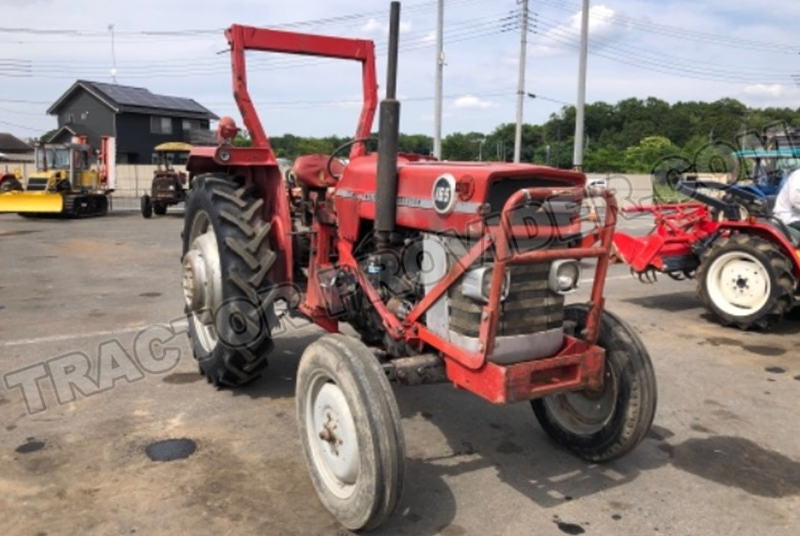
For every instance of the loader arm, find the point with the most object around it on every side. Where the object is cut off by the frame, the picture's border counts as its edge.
(243, 38)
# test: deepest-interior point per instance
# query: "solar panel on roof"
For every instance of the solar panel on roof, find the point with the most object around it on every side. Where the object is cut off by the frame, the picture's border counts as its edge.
(135, 96)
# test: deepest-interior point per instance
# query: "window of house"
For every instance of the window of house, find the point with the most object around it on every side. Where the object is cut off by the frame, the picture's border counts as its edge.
(160, 125)
(156, 159)
(191, 124)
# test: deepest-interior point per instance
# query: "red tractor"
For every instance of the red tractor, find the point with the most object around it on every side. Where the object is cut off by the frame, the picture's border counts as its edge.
(745, 261)
(448, 272)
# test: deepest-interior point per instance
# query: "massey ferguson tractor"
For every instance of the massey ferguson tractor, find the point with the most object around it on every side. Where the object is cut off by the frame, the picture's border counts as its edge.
(449, 272)
(169, 185)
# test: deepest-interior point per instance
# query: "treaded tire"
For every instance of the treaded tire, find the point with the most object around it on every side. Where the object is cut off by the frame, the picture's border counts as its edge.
(783, 282)
(635, 394)
(245, 257)
(348, 364)
(146, 206)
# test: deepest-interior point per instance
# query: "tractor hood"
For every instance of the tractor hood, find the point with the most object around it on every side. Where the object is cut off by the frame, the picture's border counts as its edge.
(455, 197)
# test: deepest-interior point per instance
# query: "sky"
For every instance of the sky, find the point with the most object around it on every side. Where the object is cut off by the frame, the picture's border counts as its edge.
(676, 50)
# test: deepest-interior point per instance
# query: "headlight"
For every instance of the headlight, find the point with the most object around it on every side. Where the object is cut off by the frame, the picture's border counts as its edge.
(565, 276)
(478, 284)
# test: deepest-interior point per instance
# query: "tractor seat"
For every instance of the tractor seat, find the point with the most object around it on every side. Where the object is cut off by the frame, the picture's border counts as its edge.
(311, 170)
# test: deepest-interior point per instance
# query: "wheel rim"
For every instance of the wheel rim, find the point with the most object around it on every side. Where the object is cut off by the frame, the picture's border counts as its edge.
(202, 281)
(738, 283)
(332, 436)
(586, 412)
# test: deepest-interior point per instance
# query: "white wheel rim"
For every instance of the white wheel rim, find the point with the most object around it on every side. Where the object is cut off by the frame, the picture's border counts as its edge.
(332, 436)
(202, 281)
(738, 284)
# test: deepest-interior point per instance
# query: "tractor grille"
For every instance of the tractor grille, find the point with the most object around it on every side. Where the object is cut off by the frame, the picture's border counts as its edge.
(531, 307)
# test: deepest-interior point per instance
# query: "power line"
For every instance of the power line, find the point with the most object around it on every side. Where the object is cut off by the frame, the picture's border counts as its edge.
(677, 31)
(559, 37)
(29, 129)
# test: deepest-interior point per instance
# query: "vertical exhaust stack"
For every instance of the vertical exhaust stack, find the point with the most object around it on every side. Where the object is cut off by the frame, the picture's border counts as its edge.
(388, 133)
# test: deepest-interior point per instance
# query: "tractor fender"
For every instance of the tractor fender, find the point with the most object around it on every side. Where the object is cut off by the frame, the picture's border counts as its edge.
(768, 233)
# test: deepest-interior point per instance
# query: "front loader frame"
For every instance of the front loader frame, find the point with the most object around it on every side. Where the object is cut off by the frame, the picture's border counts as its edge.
(257, 164)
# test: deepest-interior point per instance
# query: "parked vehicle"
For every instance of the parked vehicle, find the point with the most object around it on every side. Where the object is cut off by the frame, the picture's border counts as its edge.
(71, 180)
(745, 260)
(169, 185)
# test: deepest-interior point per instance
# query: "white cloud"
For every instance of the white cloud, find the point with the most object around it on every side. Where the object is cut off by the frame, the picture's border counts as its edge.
(471, 101)
(373, 26)
(605, 27)
(765, 91)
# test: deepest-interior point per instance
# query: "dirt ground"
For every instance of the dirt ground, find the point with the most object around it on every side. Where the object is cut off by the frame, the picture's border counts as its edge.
(722, 458)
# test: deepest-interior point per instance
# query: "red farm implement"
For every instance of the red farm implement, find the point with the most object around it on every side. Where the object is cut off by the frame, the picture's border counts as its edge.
(745, 263)
(448, 271)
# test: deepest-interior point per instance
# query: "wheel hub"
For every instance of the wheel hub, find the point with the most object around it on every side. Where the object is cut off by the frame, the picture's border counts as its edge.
(586, 412)
(336, 451)
(746, 284)
(194, 278)
(202, 276)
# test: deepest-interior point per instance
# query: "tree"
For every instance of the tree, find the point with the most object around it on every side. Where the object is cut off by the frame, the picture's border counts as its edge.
(462, 147)
(606, 159)
(643, 157)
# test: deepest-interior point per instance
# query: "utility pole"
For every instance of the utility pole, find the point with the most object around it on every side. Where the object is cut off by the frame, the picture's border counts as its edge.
(437, 106)
(577, 159)
(113, 56)
(523, 49)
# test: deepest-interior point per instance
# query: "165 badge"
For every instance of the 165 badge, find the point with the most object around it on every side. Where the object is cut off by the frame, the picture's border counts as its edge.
(444, 194)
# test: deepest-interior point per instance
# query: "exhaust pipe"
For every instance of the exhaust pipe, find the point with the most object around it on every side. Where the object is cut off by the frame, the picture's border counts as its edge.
(388, 133)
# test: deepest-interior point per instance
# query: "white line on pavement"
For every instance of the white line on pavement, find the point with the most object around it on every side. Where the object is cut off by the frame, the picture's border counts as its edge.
(76, 336)
(69, 337)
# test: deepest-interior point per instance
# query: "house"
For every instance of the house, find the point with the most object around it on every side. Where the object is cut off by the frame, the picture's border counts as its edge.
(137, 118)
(13, 149)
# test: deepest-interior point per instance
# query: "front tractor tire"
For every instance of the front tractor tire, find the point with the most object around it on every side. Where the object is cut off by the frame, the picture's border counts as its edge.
(227, 291)
(603, 425)
(746, 281)
(350, 431)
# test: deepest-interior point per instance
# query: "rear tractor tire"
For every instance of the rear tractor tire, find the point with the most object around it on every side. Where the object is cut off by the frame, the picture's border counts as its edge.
(350, 431)
(146, 206)
(604, 425)
(746, 281)
(228, 295)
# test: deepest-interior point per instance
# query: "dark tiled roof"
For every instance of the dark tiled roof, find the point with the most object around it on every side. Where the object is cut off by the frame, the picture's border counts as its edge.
(12, 144)
(125, 98)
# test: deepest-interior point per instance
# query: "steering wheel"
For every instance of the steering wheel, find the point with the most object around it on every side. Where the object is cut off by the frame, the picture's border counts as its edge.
(338, 150)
